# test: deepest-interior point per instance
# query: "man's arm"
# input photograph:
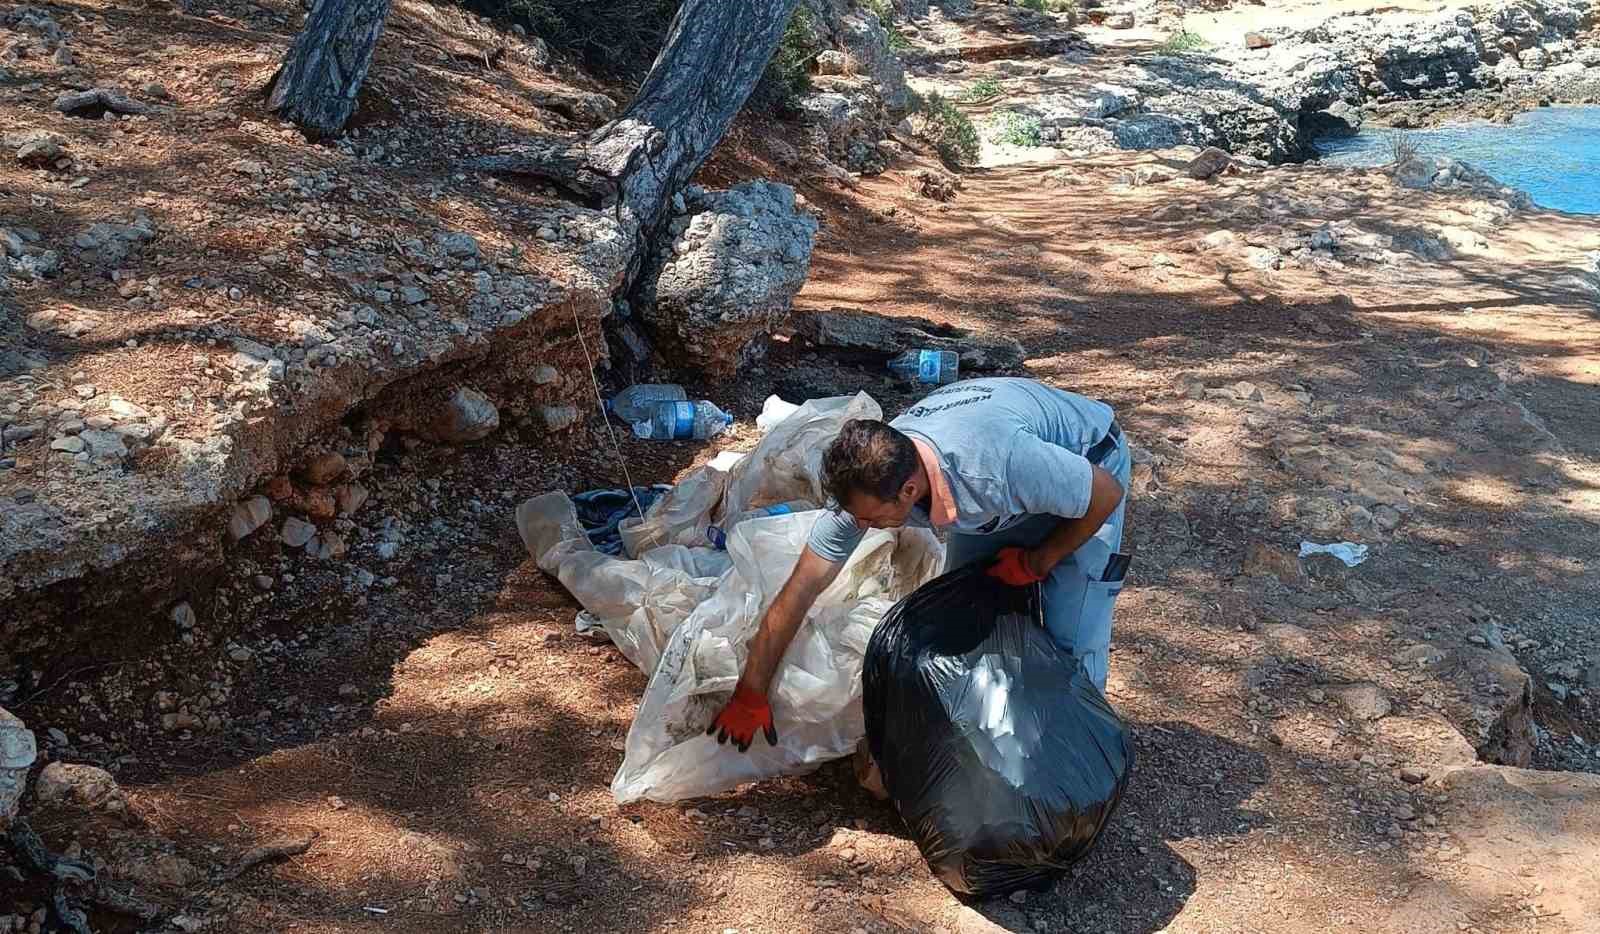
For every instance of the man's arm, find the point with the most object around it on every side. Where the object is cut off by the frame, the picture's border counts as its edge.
(811, 576)
(748, 710)
(1104, 495)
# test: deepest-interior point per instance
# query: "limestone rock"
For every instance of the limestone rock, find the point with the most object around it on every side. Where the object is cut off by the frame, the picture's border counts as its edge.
(296, 532)
(350, 497)
(849, 329)
(82, 786)
(832, 62)
(17, 754)
(1255, 40)
(1364, 701)
(725, 275)
(468, 415)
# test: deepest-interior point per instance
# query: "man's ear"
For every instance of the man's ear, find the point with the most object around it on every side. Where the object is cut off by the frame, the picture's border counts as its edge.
(908, 491)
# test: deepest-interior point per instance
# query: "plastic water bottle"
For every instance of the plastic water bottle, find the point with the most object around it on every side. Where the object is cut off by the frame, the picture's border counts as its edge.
(718, 534)
(634, 403)
(678, 421)
(926, 366)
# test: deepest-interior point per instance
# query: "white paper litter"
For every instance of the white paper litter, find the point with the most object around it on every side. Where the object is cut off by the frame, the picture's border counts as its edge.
(1348, 552)
(685, 612)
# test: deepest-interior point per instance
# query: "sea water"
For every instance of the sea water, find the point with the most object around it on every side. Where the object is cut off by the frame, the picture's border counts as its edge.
(1552, 153)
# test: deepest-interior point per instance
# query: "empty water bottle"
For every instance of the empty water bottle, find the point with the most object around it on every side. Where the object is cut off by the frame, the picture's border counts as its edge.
(926, 366)
(718, 534)
(677, 421)
(634, 403)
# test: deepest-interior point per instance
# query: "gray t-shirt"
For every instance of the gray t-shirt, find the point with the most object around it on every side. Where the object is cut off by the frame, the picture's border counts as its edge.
(1009, 449)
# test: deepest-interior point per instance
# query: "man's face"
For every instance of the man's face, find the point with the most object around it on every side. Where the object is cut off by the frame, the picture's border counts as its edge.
(874, 513)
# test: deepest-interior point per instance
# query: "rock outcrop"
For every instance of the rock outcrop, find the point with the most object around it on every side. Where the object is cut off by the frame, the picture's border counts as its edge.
(17, 754)
(849, 329)
(725, 276)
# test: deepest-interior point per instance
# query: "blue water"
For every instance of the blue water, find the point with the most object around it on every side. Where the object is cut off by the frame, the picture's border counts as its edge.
(1552, 153)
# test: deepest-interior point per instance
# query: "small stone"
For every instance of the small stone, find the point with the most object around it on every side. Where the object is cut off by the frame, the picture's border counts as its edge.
(296, 532)
(412, 295)
(1477, 639)
(325, 467)
(1317, 696)
(1210, 162)
(249, 515)
(467, 415)
(1412, 775)
(1255, 40)
(547, 234)
(71, 444)
(240, 654)
(183, 616)
(335, 802)
(1403, 813)
(351, 497)
(1019, 897)
(348, 690)
(40, 153)
(84, 786)
(263, 581)
(1365, 701)
(1247, 391)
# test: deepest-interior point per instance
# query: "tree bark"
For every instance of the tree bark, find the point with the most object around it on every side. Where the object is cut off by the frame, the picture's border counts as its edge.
(715, 53)
(316, 86)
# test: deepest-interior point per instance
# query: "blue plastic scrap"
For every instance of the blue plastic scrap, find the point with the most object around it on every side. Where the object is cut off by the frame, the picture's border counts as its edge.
(601, 512)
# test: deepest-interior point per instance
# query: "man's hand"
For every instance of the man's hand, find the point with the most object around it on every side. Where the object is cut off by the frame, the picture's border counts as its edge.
(1014, 566)
(746, 712)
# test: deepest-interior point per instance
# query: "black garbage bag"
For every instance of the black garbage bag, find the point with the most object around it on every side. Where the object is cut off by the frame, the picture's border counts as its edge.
(1003, 758)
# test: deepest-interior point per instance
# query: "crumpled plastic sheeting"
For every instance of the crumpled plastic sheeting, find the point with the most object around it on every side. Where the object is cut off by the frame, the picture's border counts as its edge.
(787, 464)
(684, 612)
(816, 697)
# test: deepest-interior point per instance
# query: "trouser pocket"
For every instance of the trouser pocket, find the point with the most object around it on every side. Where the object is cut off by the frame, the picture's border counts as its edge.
(1092, 641)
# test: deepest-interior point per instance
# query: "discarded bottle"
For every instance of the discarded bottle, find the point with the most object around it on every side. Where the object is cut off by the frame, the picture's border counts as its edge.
(718, 534)
(678, 421)
(926, 366)
(635, 403)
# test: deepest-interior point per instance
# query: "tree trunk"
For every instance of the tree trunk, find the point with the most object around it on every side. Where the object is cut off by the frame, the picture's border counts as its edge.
(715, 53)
(316, 86)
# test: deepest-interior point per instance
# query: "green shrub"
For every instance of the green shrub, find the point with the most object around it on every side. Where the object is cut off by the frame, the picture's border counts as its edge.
(1049, 6)
(787, 76)
(950, 131)
(1017, 130)
(883, 10)
(620, 38)
(1183, 41)
(983, 89)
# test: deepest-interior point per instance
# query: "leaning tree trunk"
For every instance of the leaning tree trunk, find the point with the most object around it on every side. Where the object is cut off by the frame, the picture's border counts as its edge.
(317, 84)
(715, 53)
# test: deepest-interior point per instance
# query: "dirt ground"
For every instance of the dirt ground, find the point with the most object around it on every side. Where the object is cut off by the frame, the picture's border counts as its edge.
(450, 740)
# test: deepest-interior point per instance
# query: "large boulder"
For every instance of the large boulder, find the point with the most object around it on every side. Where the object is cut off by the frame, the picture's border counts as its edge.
(726, 273)
(17, 754)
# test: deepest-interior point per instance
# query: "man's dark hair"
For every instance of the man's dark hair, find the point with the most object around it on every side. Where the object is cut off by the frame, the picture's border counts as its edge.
(868, 457)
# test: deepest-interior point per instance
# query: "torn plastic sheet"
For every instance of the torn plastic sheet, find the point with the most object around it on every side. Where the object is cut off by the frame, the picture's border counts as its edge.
(684, 612)
(1348, 552)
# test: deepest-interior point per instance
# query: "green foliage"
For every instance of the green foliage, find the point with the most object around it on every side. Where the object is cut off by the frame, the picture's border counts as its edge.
(787, 75)
(1049, 6)
(1017, 130)
(619, 38)
(884, 11)
(950, 131)
(1183, 41)
(983, 89)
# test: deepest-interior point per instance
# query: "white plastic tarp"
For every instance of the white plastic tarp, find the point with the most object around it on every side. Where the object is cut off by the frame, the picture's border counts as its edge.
(685, 612)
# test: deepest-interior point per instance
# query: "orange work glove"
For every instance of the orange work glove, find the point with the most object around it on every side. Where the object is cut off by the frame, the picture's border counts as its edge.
(1011, 567)
(746, 712)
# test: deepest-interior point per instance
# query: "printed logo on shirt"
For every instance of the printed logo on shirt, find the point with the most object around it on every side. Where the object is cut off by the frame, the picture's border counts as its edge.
(973, 393)
(999, 523)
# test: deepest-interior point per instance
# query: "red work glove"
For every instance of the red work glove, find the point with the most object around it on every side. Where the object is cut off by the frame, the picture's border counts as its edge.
(746, 712)
(1011, 567)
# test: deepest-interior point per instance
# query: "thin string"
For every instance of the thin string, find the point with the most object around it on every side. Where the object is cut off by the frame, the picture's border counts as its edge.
(605, 419)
